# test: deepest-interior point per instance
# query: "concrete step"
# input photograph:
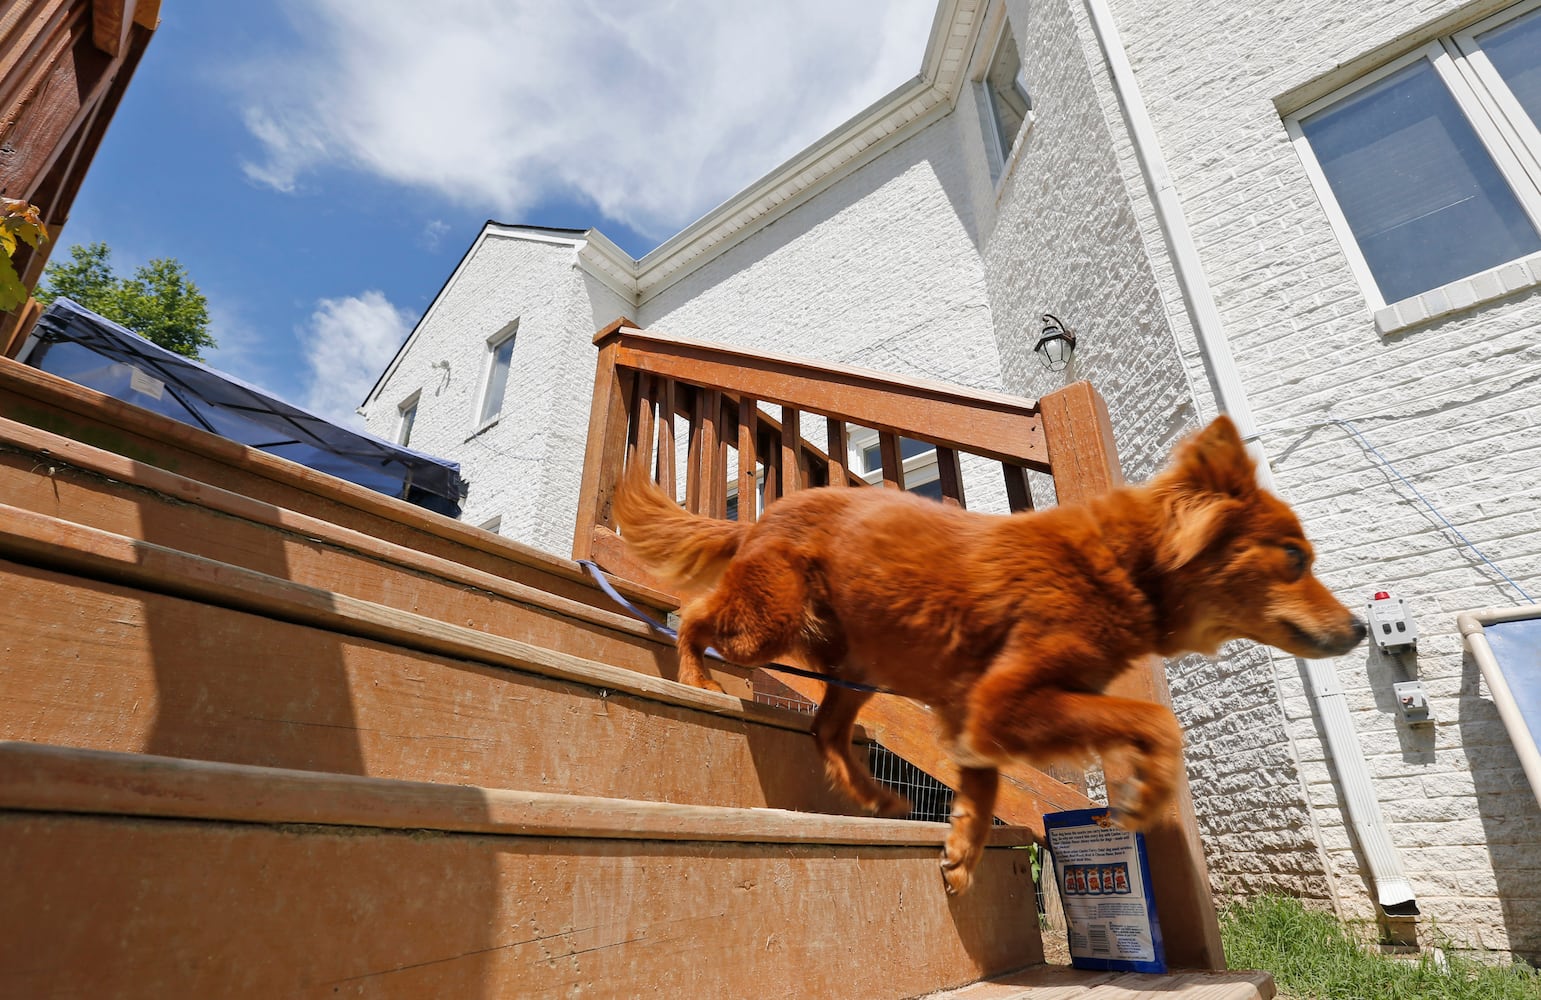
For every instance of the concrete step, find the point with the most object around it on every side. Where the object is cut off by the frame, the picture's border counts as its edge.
(1046, 982)
(65, 479)
(114, 643)
(155, 877)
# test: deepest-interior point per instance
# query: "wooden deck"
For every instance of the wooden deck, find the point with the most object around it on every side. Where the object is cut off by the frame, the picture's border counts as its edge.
(1049, 982)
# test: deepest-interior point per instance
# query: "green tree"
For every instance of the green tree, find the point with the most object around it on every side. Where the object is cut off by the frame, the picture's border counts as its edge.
(160, 302)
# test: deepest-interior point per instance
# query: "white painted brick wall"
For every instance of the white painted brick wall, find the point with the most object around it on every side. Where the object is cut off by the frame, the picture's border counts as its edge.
(1065, 237)
(1452, 404)
(526, 465)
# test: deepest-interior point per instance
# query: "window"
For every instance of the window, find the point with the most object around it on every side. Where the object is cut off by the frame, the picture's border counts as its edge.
(500, 356)
(407, 412)
(1430, 167)
(917, 457)
(1007, 103)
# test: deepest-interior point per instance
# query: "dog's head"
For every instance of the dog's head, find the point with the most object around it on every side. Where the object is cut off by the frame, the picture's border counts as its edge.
(1234, 559)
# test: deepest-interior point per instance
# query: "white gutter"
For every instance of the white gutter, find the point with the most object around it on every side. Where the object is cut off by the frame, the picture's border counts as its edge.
(1393, 891)
(1471, 625)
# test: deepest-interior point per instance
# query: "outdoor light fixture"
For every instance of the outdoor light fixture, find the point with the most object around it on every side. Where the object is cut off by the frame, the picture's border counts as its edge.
(1055, 344)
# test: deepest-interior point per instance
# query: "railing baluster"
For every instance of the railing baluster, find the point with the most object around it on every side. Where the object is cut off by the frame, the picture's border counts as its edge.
(714, 455)
(748, 427)
(639, 436)
(951, 475)
(1019, 496)
(893, 460)
(694, 450)
(666, 456)
(838, 453)
(791, 448)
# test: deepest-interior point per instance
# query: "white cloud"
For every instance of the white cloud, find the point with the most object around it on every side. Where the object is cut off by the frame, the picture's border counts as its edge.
(654, 112)
(347, 343)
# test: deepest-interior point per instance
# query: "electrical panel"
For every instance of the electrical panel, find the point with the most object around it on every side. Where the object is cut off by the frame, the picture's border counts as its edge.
(1413, 703)
(1391, 626)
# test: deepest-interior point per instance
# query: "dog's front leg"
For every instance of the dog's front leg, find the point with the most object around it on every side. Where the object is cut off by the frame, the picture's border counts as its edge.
(973, 813)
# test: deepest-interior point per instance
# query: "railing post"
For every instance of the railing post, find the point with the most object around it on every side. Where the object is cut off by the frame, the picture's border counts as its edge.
(1085, 462)
(605, 453)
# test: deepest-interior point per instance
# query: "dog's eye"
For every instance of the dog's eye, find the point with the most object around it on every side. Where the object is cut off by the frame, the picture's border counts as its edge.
(1297, 558)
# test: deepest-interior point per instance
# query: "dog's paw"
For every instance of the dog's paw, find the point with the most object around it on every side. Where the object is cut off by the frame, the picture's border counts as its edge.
(891, 805)
(1136, 805)
(957, 875)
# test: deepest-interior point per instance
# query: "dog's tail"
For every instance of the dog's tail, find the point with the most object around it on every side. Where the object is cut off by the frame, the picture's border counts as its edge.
(686, 549)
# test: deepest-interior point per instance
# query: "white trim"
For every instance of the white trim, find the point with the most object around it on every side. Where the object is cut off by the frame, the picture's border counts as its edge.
(1510, 118)
(493, 524)
(902, 114)
(490, 230)
(507, 332)
(1478, 113)
(410, 403)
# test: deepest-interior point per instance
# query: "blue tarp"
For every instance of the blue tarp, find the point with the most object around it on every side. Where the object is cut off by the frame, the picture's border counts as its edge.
(77, 344)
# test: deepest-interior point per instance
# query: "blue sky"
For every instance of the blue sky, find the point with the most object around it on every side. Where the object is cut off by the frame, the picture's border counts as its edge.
(319, 167)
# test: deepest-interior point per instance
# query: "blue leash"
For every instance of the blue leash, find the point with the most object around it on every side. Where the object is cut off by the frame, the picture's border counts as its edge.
(781, 668)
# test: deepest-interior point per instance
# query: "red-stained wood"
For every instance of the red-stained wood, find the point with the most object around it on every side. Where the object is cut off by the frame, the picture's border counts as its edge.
(791, 466)
(1085, 463)
(950, 473)
(667, 403)
(839, 453)
(748, 460)
(639, 435)
(606, 449)
(909, 730)
(990, 424)
(893, 460)
(1019, 495)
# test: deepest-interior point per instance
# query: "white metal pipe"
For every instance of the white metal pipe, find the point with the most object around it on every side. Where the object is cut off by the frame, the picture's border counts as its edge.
(1472, 625)
(1393, 891)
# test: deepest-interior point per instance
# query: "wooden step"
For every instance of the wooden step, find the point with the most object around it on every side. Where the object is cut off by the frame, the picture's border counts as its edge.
(116, 644)
(62, 408)
(134, 876)
(53, 475)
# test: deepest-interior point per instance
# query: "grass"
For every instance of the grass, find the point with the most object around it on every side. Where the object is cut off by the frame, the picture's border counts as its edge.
(1313, 956)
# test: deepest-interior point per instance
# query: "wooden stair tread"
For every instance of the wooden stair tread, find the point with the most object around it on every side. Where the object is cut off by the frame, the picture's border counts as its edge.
(74, 482)
(40, 540)
(1049, 982)
(38, 777)
(38, 399)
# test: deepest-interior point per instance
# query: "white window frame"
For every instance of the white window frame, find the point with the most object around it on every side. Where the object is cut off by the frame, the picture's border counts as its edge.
(1000, 153)
(403, 428)
(1476, 92)
(493, 524)
(494, 342)
(919, 470)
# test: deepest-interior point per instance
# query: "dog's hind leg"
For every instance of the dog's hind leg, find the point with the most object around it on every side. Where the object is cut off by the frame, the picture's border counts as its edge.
(695, 636)
(833, 726)
(973, 813)
(1013, 715)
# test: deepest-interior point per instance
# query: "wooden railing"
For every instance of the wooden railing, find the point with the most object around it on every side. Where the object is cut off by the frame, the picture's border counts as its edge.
(729, 399)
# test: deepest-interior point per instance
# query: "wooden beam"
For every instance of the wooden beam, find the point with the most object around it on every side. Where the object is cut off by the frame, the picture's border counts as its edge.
(990, 424)
(1085, 463)
(910, 731)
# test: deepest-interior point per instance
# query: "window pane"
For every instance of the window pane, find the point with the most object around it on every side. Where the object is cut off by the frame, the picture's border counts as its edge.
(1514, 49)
(1423, 198)
(872, 455)
(1009, 101)
(497, 379)
(408, 417)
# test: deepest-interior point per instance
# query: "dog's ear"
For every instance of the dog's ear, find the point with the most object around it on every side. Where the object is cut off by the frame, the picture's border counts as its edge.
(1193, 522)
(1216, 461)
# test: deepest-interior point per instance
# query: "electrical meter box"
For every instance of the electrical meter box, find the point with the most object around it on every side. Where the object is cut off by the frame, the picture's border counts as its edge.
(1391, 626)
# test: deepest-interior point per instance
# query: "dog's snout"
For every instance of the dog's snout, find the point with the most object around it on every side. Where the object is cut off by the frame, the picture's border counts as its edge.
(1359, 628)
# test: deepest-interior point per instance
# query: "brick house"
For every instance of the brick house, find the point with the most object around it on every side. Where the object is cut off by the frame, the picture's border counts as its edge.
(1322, 220)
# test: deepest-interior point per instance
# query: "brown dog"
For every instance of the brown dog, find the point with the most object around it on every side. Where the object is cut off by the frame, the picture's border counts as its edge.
(1010, 628)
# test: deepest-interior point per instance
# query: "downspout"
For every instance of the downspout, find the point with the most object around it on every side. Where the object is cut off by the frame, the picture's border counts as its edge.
(1394, 893)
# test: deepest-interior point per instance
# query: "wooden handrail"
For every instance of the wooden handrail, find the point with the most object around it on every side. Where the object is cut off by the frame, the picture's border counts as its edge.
(646, 381)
